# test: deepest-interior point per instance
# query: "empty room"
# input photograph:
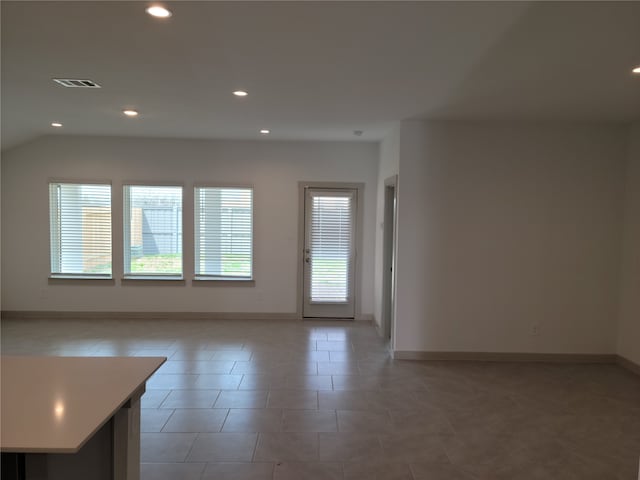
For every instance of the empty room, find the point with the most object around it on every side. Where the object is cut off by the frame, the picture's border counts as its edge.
(320, 240)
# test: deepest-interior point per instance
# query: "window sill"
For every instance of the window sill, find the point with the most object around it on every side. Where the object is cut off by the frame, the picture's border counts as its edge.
(223, 281)
(80, 280)
(153, 279)
(63, 276)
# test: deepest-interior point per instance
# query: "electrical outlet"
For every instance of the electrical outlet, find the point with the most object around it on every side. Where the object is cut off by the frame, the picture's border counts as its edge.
(535, 329)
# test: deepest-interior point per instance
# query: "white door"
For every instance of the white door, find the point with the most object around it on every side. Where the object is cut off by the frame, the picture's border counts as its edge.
(329, 252)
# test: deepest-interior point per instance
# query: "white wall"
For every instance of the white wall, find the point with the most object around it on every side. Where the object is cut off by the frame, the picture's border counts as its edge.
(274, 168)
(506, 227)
(629, 325)
(388, 164)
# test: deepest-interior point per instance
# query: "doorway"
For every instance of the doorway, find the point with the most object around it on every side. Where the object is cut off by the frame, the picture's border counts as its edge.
(388, 258)
(329, 252)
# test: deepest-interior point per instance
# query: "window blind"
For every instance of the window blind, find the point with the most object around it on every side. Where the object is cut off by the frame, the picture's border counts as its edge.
(153, 230)
(80, 229)
(224, 232)
(330, 244)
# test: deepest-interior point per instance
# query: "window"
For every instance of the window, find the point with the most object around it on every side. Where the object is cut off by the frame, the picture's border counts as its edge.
(152, 231)
(224, 233)
(80, 223)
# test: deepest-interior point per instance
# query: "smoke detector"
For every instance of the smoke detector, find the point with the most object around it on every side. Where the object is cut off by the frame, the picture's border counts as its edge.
(76, 83)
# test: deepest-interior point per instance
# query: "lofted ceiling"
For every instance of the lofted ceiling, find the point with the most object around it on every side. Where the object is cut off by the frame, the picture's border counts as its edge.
(313, 70)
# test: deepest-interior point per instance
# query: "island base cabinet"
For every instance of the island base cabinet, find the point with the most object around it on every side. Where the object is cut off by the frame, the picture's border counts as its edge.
(112, 453)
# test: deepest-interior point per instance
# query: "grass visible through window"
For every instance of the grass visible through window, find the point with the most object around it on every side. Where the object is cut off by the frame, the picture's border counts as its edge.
(170, 264)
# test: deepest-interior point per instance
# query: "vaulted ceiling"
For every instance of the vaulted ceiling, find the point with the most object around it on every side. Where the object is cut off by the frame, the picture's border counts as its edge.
(313, 70)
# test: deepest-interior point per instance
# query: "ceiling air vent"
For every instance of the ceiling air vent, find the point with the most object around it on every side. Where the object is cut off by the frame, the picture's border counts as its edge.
(76, 83)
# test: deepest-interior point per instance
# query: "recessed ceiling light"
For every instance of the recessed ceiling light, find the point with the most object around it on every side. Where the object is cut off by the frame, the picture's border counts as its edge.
(636, 69)
(56, 124)
(240, 93)
(264, 131)
(130, 113)
(158, 11)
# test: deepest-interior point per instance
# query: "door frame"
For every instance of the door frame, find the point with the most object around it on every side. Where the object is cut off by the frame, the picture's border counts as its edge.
(389, 242)
(359, 187)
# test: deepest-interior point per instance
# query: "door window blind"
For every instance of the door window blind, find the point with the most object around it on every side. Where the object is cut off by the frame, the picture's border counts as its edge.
(80, 229)
(330, 246)
(224, 232)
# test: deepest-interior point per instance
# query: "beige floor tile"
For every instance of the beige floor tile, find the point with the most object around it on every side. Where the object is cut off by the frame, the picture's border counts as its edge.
(263, 382)
(298, 399)
(235, 355)
(356, 382)
(182, 367)
(172, 382)
(308, 382)
(223, 447)
(407, 447)
(190, 399)
(387, 382)
(165, 447)
(216, 381)
(395, 400)
(220, 344)
(309, 421)
(430, 421)
(317, 356)
(266, 420)
(338, 368)
(238, 471)
(192, 355)
(307, 470)
(153, 398)
(349, 447)
(376, 470)
(333, 346)
(494, 421)
(287, 447)
(155, 352)
(346, 400)
(271, 355)
(364, 421)
(242, 399)
(441, 471)
(288, 368)
(340, 356)
(153, 419)
(478, 449)
(171, 471)
(196, 420)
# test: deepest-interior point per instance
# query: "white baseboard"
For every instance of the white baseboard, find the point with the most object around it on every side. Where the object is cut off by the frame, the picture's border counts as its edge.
(506, 357)
(76, 315)
(73, 315)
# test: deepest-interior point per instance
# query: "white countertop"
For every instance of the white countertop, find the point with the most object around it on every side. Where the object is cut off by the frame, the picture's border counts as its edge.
(55, 404)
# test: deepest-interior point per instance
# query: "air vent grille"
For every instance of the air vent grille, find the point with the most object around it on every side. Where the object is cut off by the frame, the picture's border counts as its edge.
(76, 83)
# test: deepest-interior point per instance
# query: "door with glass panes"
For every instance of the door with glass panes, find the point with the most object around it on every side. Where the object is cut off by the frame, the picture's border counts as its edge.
(329, 252)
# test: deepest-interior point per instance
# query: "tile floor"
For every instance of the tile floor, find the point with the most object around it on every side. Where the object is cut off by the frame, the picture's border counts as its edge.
(250, 400)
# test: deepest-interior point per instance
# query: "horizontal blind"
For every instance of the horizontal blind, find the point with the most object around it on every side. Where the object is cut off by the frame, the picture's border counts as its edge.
(153, 230)
(224, 232)
(80, 228)
(330, 246)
